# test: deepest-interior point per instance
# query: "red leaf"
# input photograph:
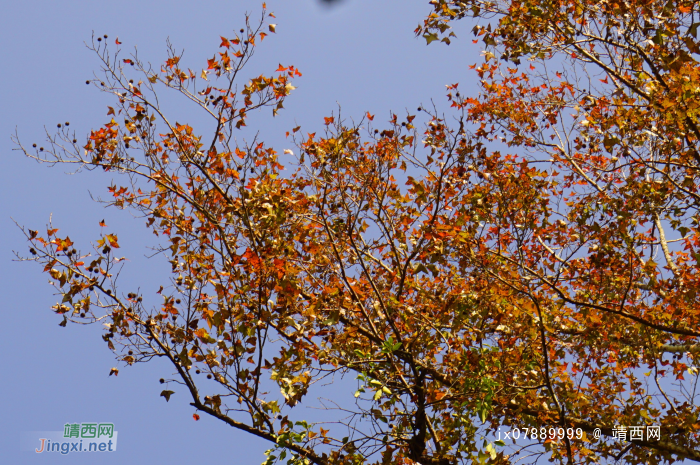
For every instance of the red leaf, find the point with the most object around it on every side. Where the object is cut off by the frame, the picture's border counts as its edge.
(117, 41)
(195, 416)
(171, 62)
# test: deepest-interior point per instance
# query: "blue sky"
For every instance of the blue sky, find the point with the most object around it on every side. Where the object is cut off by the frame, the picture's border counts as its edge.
(361, 55)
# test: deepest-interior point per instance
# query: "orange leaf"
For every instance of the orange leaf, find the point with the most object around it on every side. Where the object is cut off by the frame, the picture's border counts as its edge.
(370, 117)
(112, 238)
(195, 416)
(201, 332)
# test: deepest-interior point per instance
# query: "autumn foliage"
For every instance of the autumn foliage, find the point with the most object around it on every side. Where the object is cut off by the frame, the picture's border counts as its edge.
(530, 260)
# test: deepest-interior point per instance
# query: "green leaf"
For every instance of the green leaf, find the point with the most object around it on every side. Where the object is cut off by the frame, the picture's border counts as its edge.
(184, 359)
(421, 268)
(430, 37)
(658, 38)
(167, 395)
(610, 142)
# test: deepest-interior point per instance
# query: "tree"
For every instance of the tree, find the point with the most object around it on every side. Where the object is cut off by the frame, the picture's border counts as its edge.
(514, 268)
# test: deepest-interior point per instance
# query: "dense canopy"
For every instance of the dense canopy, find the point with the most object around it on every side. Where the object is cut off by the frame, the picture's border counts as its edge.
(528, 259)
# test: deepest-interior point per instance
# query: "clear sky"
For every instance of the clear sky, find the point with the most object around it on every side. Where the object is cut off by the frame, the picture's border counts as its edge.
(361, 54)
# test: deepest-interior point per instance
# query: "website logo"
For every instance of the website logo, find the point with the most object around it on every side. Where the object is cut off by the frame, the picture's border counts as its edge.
(75, 437)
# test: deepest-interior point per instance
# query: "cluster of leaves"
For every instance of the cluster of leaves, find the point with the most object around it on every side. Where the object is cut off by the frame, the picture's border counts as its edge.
(532, 262)
(608, 105)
